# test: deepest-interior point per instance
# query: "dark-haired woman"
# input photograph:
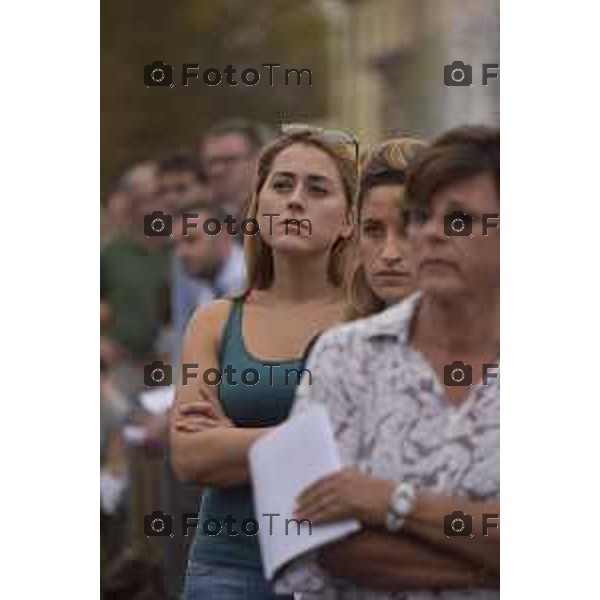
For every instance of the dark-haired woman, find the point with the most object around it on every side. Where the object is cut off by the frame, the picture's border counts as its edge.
(382, 273)
(414, 397)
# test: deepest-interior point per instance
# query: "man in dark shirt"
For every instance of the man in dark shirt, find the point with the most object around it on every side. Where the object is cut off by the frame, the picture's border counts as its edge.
(134, 281)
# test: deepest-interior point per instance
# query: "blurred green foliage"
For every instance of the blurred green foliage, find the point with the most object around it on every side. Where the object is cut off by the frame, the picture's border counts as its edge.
(139, 122)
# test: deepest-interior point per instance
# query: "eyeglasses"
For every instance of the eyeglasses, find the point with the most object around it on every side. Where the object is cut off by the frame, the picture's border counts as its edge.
(225, 160)
(332, 137)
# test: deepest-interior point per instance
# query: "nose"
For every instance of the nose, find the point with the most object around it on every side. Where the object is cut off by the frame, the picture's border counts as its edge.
(296, 202)
(394, 250)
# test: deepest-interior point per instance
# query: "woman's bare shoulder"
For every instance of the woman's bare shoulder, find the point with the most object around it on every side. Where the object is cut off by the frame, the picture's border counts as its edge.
(208, 321)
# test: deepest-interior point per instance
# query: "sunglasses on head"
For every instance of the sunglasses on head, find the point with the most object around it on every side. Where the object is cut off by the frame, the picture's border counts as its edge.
(332, 137)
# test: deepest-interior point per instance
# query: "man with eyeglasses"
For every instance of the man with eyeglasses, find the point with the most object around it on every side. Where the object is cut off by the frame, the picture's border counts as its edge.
(228, 152)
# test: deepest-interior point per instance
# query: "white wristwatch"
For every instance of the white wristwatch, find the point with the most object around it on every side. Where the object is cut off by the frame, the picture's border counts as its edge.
(401, 504)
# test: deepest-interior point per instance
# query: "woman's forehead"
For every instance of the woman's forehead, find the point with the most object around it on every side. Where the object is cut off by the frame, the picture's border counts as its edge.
(304, 159)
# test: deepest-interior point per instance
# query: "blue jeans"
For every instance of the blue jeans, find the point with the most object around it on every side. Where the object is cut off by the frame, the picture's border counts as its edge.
(218, 582)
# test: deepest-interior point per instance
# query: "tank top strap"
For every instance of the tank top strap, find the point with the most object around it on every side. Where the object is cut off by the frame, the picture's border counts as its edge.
(307, 351)
(231, 339)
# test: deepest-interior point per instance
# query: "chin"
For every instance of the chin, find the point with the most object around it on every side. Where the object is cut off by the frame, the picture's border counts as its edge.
(442, 286)
(295, 243)
(392, 295)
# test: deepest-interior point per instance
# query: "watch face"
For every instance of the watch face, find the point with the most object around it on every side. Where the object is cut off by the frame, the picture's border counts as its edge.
(403, 498)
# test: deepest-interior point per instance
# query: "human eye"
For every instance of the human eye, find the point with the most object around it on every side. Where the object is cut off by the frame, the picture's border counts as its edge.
(373, 229)
(316, 188)
(282, 184)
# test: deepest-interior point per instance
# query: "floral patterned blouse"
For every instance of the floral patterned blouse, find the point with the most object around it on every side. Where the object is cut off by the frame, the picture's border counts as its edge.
(392, 420)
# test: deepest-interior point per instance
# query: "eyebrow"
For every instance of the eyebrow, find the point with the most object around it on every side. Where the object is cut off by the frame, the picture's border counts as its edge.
(311, 176)
(458, 204)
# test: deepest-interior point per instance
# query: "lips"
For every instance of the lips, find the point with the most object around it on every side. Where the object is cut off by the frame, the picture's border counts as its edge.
(392, 274)
(294, 223)
(392, 278)
(437, 263)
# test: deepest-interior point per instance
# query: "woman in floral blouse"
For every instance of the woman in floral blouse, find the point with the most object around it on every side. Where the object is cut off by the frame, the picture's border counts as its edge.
(413, 394)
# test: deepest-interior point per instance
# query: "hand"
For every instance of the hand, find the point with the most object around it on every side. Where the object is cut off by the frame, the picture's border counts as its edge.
(200, 415)
(347, 493)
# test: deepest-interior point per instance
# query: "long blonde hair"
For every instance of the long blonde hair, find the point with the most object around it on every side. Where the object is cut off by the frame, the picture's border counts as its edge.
(387, 162)
(259, 256)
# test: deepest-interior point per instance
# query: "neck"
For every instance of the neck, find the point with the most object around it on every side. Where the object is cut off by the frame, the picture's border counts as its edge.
(462, 324)
(301, 278)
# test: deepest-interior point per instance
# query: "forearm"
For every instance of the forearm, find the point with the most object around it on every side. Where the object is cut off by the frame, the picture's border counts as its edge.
(217, 457)
(426, 522)
(390, 562)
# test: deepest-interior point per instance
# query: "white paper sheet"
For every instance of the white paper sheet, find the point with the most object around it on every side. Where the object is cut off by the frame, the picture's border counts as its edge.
(282, 464)
(158, 400)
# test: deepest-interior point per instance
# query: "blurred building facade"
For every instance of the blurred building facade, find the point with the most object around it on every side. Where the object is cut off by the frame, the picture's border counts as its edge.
(387, 60)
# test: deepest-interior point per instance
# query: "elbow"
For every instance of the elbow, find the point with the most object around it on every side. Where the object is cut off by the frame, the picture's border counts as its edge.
(188, 463)
(183, 470)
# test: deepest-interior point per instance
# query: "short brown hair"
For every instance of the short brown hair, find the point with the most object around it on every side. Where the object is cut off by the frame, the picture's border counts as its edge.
(256, 134)
(259, 258)
(386, 164)
(456, 155)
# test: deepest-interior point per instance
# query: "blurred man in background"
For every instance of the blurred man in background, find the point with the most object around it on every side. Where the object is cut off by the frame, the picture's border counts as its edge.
(228, 153)
(214, 262)
(134, 284)
(180, 181)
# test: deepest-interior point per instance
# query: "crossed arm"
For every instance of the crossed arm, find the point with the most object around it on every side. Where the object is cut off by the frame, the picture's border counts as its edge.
(420, 556)
(207, 449)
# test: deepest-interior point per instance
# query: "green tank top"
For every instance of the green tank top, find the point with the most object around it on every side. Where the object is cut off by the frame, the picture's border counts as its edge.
(256, 395)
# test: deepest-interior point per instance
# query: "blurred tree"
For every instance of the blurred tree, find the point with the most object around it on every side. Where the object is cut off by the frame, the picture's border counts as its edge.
(139, 122)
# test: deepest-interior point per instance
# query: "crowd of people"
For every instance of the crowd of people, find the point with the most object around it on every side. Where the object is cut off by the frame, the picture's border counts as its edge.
(351, 273)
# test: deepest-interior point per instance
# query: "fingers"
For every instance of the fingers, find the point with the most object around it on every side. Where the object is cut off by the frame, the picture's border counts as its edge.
(200, 407)
(319, 488)
(326, 509)
(193, 425)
